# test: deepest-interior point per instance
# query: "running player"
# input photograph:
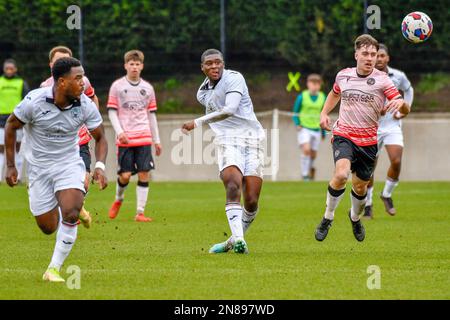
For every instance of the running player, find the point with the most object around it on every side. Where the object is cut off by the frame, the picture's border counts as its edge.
(239, 139)
(12, 90)
(55, 54)
(390, 135)
(308, 105)
(132, 112)
(52, 117)
(362, 92)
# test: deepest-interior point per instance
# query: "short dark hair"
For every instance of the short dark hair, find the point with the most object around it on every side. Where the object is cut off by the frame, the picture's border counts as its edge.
(384, 47)
(366, 40)
(209, 52)
(63, 66)
(10, 61)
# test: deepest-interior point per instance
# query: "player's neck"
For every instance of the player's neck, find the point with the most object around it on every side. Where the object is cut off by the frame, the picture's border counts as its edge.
(60, 100)
(362, 73)
(133, 80)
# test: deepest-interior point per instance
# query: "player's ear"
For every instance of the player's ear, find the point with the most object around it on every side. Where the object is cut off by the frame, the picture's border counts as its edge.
(356, 55)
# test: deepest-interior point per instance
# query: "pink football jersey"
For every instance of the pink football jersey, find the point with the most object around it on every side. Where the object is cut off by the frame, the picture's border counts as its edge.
(362, 99)
(83, 133)
(133, 103)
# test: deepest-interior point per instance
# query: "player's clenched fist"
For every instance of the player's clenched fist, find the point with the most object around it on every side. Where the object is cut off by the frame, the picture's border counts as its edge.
(325, 122)
(188, 126)
(11, 176)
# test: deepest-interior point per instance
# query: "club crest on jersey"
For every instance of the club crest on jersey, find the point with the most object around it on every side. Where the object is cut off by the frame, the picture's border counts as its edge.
(371, 81)
(76, 112)
(143, 92)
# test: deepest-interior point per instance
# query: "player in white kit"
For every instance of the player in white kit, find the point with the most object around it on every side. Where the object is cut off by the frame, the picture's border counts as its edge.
(239, 140)
(51, 118)
(390, 135)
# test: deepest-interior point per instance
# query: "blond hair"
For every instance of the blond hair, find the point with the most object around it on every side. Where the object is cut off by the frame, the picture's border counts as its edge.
(135, 55)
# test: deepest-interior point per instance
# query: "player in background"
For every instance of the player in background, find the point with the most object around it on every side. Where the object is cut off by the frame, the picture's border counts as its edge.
(55, 54)
(390, 135)
(12, 90)
(362, 92)
(308, 105)
(52, 117)
(132, 112)
(239, 139)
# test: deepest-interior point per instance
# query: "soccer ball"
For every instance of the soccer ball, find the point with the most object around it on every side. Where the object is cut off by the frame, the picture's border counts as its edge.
(417, 27)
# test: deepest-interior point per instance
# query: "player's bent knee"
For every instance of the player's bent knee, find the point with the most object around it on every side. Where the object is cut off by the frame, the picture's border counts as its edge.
(233, 190)
(360, 189)
(125, 177)
(71, 215)
(341, 177)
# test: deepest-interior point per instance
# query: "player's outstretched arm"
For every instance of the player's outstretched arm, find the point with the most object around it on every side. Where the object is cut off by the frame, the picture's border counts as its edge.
(330, 103)
(232, 101)
(101, 151)
(12, 125)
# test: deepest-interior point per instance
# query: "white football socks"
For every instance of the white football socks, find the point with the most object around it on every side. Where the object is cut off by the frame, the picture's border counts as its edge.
(2, 164)
(234, 216)
(120, 190)
(358, 204)
(369, 199)
(247, 218)
(65, 239)
(333, 199)
(306, 165)
(141, 196)
(389, 187)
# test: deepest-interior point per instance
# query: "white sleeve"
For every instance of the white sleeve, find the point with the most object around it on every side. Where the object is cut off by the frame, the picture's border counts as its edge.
(154, 127)
(24, 110)
(114, 118)
(232, 101)
(93, 117)
(409, 95)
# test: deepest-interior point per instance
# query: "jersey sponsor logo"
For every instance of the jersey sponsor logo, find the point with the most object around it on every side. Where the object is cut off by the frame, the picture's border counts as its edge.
(357, 96)
(134, 105)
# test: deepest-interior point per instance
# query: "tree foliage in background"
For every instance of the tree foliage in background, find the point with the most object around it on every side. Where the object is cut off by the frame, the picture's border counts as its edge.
(262, 35)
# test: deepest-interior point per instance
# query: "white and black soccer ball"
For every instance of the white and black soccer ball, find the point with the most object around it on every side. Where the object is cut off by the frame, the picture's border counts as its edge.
(417, 27)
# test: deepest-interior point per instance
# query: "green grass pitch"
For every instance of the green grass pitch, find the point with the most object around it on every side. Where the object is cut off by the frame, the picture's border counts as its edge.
(168, 258)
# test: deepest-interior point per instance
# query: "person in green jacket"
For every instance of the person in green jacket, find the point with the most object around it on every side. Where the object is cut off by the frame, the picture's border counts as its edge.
(12, 90)
(307, 108)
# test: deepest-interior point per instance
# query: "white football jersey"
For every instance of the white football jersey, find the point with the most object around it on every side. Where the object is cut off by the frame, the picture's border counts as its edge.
(51, 133)
(401, 82)
(243, 124)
